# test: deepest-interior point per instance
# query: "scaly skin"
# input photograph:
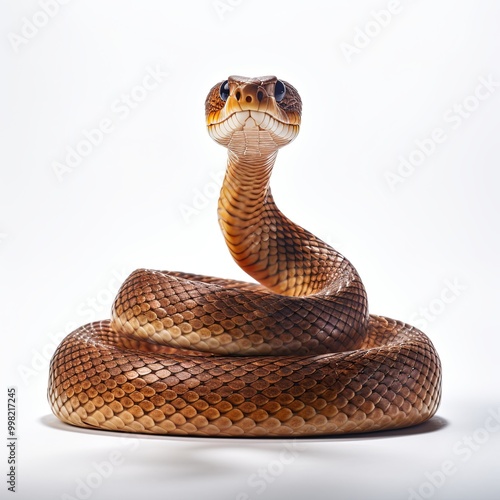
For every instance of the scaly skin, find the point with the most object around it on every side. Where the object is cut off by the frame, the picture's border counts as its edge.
(296, 355)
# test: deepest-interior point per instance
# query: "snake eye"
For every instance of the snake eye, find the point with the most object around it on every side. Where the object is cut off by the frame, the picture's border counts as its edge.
(224, 90)
(279, 91)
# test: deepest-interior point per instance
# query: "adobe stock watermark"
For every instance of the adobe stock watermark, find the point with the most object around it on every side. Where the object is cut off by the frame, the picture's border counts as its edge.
(331, 240)
(427, 314)
(93, 308)
(363, 36)
(453, 119)
(462, 451)
(223, 7)
(121, 109)
(3, 236)
(264, 476)
(31, 26)
(202, 197)
(101, 471)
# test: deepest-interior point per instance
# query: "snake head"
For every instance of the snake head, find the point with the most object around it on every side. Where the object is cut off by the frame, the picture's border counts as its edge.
(253, 115)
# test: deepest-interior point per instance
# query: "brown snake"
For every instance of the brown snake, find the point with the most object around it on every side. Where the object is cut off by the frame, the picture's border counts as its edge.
(296, 355)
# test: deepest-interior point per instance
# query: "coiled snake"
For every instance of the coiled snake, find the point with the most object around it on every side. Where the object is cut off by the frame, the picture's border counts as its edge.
(295, 355)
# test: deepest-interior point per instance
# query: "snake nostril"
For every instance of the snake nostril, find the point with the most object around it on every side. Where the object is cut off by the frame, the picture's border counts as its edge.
(248, 98)
(238, 95)
(260, 95)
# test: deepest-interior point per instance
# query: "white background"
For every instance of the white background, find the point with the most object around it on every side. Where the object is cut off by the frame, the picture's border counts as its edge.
(134, 201)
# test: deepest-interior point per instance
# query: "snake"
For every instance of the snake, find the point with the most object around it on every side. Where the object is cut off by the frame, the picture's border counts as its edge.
(294, 352)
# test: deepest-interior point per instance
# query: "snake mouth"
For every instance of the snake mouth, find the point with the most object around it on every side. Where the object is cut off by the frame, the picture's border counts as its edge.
(253, 115)
(250, 131)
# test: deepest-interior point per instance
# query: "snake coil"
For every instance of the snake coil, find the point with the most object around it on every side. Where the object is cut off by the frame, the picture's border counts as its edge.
(295, 354)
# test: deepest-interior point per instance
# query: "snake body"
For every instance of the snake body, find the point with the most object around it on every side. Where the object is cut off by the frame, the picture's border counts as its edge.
(296, 354)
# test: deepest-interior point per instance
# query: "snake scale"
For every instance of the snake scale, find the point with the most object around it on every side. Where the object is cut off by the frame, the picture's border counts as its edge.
(295, 354)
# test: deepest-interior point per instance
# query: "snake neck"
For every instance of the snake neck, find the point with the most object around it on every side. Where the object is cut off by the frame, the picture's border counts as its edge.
(246, 186)
(267, 245)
